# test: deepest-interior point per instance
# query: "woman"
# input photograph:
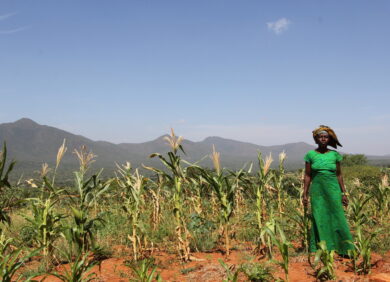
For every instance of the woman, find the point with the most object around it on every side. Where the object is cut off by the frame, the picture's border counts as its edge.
(327, 193)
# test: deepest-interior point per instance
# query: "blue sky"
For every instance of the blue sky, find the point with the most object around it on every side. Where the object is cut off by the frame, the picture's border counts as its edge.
(266, 72)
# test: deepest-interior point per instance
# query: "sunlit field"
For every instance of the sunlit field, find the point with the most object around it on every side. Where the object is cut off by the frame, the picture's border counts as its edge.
(184, 223)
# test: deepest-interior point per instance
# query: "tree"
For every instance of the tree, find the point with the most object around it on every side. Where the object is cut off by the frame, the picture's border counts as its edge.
(351, 160)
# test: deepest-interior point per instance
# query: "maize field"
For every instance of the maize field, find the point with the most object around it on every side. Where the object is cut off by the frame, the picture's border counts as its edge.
(184, 222)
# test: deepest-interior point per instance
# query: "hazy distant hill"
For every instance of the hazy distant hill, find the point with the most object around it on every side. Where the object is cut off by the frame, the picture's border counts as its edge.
(234, 154)
(31, 144)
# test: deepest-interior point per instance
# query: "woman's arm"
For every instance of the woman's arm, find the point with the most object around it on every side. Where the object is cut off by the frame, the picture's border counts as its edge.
(341, 183)
(306, 184)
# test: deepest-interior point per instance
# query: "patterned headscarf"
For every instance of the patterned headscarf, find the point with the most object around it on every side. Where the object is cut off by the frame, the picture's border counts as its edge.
(333, 141)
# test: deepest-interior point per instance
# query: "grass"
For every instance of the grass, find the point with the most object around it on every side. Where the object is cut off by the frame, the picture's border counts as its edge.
(189, 269)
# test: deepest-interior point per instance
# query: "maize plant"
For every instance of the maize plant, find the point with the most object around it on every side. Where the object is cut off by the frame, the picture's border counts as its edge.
(258, 187)
(133, 185)
(45, 220)
(181, 228)
(177, 178)
(301, 217)
(79, 271)
(82, 231)
(156, 199)
(264, 176)
(60, 154)
(326, 257)
(4, 217)
(173, 160)
(362, 249)
(225, 190)
(242, 180)
(283, 245)
(356, 211)
(145, 271)
(195, 186)
(6, 202)
(266, 238)
(381, 195)
(214, 205)
(277, 180)
(4, 173)
(231, 272)
(354, 256)
(11, 260)
(46, 224)
(260, 272)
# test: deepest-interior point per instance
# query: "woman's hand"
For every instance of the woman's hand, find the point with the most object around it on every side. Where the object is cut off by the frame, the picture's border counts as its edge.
(344, 200)
(306, 184)
(305, 201)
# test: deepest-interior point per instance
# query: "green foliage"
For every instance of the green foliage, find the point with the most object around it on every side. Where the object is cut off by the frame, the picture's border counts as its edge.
(362, 250)
(27, 235)
(82, 231)
(302, 219)
(79, 269)
(194, 205)
(4, 173)
(259, 187)
(133, 186)
(356, 209)
(367, 175)
(200, 229)
(5, 202)
(248, 228)
(177, 177)
(46, 225)
(45, 221)
(144, 271)
(4, 209)
(353, 160)
(326, 271)
(231, 272)
(292, 184)
(257, 272)
(190, 269)
(277, 181)
(381, 196)
(224, 186)
(11, 259)
(266, 232)
(283, 245)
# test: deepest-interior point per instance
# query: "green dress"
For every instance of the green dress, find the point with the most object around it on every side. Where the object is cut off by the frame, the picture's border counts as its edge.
(328, 219)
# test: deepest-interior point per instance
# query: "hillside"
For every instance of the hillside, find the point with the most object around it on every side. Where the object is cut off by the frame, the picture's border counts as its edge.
(31, 144)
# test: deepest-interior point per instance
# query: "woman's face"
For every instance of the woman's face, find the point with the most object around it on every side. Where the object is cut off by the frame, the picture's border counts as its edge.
(323, 139)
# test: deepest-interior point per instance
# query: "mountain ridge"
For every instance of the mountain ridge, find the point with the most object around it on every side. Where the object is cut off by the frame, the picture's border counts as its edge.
(31, 144)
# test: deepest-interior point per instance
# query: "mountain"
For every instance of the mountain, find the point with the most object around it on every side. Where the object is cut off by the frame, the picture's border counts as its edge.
(31, 144)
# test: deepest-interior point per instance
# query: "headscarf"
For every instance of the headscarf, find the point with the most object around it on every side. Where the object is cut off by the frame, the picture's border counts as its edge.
(333, 141)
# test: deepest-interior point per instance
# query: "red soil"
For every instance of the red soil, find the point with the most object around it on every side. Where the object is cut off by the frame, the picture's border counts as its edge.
(206, 267)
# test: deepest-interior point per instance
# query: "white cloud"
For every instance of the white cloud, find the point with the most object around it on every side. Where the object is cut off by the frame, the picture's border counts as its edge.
(6, 16)
(279, 26)
(10, 31)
